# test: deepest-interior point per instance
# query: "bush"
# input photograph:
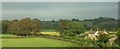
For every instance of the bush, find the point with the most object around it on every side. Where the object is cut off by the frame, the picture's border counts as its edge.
(118, 34)
(103, 38)
(86, 42)
(101, 44)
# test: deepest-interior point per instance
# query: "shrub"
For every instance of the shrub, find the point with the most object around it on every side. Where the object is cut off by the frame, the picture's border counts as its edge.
(103, 38)
(118, 34)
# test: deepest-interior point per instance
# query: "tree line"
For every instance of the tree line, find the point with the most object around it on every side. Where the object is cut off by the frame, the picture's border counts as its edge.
(68, 29)
(24, 27)
(75, 26)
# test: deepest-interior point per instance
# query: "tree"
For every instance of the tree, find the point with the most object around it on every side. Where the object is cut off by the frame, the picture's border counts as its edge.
(36, 26)
(13, 27)
(102, 19)
(53, 20)
(87, 27)
(72, 29)
(95, 27)
(75, 19)
(24, 27)
(62, 26)
(4, 25)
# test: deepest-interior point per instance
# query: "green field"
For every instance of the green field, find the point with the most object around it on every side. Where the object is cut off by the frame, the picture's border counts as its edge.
(8, 35)
(48, 30)
(34, 42)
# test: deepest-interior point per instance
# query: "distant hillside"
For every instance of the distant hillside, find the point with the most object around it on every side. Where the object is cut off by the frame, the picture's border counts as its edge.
(109, 25)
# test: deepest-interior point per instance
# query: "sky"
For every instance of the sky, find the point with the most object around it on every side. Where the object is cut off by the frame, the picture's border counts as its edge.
(60, 0)
(58, 10)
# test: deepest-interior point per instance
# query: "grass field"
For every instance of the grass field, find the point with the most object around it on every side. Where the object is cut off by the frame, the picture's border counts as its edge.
(8, 35)
(35, 42)
(48, 30)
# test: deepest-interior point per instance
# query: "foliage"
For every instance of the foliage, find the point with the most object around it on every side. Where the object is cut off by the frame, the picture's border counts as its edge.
(87, 27)
(81, 42)
(24, 26)
(102, 19)
(4, 26)
(49, 24)
(87, 24)
(95, 27)
(118, 34)
(109, 25)
(103, 41)
(75, 19)
(103, 38)
(62, 26)
(102, 22)
(75, 28)
(72, 29)
(106, 23)
(48, 30)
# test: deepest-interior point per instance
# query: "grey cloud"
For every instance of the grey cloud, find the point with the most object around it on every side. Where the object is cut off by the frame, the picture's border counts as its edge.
(58, 10)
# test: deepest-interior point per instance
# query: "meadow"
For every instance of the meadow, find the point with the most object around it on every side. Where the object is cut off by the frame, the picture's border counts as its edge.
(34, 42)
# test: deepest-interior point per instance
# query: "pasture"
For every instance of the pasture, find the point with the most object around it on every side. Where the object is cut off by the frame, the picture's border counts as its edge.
(8, 35)
(35, 42)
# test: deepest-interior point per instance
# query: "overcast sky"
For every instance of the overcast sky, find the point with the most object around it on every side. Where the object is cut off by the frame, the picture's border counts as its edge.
(58, 10)
(60, 0)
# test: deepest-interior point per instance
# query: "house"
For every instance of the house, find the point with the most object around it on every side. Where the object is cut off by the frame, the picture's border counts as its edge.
(93, 35)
